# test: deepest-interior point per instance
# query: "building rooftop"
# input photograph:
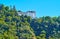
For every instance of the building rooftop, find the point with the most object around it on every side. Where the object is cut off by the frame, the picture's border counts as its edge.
(31, 11)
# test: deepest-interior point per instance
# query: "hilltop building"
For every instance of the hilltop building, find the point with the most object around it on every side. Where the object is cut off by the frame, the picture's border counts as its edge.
(32, 14)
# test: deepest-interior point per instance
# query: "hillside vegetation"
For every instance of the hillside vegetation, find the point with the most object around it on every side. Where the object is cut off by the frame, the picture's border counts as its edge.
(13, 26)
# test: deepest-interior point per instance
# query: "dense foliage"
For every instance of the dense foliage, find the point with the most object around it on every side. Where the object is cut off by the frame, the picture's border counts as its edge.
(13, 26)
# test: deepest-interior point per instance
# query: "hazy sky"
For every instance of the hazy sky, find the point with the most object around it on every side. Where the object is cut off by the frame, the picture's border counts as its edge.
(42, 7)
